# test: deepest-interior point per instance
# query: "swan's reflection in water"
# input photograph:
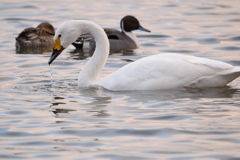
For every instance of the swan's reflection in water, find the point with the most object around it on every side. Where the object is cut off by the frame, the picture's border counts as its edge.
(97, 99)
(162, 95)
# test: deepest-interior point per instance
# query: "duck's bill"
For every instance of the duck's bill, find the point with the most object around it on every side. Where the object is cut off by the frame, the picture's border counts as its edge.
(55, 54)
(143, 29)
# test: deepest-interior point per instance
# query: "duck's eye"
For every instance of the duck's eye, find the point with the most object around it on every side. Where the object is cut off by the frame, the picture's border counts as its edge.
(59, 35)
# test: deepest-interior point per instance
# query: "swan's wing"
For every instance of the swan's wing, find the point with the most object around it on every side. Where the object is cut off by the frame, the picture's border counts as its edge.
(166, 71)
(196, 60)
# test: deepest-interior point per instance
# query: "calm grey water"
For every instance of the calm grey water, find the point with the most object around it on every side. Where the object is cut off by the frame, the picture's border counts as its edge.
(40, 121)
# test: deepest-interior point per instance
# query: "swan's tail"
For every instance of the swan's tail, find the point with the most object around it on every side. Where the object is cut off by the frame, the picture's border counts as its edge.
(218, 80)
(230, 75)
(233, 71)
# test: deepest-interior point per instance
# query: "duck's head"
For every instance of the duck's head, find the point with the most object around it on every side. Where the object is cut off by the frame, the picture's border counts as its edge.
(47, 27)
(65, 34)
(130, 23)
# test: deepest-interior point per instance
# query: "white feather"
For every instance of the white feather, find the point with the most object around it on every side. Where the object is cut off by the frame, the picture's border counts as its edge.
(168, 71)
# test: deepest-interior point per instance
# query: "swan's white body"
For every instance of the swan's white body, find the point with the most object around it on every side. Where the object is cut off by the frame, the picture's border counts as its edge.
(170, 70)
(161, 71)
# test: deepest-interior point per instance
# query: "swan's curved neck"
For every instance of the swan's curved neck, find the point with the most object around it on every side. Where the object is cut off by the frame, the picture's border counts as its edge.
(89, 74)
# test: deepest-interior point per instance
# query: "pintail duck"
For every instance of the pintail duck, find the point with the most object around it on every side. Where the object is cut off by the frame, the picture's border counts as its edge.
(124, 39)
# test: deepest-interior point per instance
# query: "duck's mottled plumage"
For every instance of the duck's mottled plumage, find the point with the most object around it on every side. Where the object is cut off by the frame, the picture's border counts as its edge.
(41, 36)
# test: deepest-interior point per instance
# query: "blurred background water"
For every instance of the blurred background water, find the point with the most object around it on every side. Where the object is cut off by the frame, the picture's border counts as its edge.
(40, 121)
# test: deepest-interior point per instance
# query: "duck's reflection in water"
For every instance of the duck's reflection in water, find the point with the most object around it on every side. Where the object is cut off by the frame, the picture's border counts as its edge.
(33, 50)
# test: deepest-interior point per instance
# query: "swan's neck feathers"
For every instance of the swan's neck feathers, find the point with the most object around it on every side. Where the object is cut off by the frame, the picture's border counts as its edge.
(90, 72)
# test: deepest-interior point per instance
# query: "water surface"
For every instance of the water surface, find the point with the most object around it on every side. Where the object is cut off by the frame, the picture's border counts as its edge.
(59, 121)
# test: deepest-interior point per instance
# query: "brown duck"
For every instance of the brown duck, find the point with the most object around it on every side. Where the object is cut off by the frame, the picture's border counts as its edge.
(39, 37)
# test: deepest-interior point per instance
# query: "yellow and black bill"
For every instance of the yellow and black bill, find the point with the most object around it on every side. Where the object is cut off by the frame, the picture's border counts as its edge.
(57, 49)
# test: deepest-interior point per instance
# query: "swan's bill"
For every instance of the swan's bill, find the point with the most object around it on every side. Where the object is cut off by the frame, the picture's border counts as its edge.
(57, 44)
(143, 29)
(57, 49)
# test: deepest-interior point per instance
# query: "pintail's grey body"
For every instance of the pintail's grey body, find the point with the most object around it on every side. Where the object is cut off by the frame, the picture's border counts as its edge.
(118, 40)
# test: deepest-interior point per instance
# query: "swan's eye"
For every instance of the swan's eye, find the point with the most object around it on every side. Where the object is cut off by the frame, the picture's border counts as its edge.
(59, 35)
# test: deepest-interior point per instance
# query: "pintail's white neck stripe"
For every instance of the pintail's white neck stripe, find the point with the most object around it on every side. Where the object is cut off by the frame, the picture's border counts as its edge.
(122, 26)
(130, 35)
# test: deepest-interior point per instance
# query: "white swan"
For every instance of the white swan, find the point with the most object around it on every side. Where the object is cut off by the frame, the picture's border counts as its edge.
(161, 71)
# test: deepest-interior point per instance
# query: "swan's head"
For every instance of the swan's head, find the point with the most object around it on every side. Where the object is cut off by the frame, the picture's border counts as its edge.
(65, 34)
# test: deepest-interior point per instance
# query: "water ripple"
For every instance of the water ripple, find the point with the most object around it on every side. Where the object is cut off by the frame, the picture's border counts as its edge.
(139, 132)
(58, 120)
(229, 48)
(16, 112)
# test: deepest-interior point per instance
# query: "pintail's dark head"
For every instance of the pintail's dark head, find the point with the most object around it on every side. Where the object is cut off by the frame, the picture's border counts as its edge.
(130, 23)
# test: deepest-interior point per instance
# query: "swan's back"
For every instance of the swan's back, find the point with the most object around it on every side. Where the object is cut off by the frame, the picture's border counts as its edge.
(168, 71)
